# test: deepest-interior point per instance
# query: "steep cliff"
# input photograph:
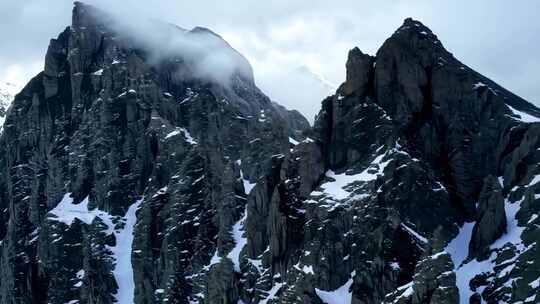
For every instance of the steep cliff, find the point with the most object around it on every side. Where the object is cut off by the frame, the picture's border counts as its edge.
(143, 173)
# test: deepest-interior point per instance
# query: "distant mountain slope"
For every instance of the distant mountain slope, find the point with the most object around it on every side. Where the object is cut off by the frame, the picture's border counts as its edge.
(7, 94)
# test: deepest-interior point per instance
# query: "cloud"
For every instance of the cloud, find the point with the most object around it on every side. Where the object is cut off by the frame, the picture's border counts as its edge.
(496, 37)
(203, 53)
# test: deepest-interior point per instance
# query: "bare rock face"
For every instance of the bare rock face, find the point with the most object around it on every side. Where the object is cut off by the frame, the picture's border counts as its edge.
(491, 223)
(359, 69)
(134, 174)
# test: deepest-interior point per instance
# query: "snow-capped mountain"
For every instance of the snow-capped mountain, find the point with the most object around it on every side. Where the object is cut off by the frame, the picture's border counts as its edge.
(131, 178)
(7, 93)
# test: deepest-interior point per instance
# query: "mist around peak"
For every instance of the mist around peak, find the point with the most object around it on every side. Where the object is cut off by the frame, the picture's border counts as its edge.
(206, 55)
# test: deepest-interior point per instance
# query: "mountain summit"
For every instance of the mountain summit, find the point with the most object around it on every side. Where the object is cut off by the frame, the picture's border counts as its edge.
(141, 171)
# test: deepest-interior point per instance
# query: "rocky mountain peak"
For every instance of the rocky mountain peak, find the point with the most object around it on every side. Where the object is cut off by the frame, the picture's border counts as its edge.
(411, 25)
(359, 68)
(203, 54)
(86, 15)
(418, 38)
(440, 105)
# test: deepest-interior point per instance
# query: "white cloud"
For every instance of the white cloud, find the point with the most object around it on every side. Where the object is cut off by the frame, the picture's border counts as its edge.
(20, 73)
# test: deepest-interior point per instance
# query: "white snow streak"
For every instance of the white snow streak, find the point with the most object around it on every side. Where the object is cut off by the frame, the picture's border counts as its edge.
(123, 270)
(240, 241)
(66, 212)
(479, 85)
(408, 291)
(415, 234)
(513, 231)
(336, 189)
(293, 141)
(342, 295)
(523, 117)
(187, 135)
(248, 186)
(272, 293)
(458, 248)
(305, 268)
(216, 259)
(466, 272)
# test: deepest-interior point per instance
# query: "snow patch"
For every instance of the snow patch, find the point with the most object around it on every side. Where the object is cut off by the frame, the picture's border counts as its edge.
(523, 117)
(305, 268)
(395, 266)
(240, 240)
(408, 290)
(187, 135)
(189, 96)
(216, 259)
(80, 274)
(458, 248)
(342, 295)
(66, 212)
(272, 293)
(513, 231)
(123, 269)
(257, 263)
(248, 186)
(478, 85)
(293, 141)
(415, 234)
(466, 272)
(535, 284)
(336, 189)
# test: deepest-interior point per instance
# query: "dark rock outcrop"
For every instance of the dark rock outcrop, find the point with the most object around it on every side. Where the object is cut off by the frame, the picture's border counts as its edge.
(491, 223)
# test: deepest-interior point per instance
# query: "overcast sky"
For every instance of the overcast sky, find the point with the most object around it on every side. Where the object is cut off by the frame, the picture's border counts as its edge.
(498, 38)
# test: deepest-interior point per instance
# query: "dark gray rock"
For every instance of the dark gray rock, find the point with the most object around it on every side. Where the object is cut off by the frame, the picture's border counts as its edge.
(491, 223)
